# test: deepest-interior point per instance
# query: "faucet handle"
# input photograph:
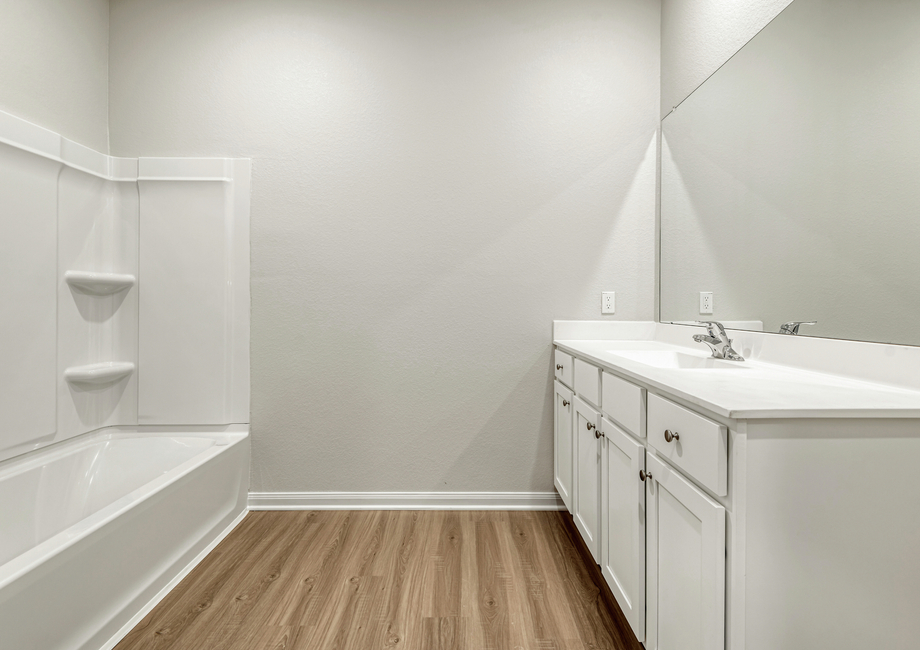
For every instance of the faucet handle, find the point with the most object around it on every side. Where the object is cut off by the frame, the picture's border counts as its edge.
(714, 327)
(792, 327)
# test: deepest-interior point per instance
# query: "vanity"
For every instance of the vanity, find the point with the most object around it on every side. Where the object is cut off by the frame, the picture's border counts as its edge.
(764, 504)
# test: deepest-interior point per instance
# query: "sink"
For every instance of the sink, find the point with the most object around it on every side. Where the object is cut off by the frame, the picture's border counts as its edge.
(672, 359)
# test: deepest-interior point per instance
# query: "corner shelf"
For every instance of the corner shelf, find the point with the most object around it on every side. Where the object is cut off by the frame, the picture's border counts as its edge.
(100, 284)
(99, 373)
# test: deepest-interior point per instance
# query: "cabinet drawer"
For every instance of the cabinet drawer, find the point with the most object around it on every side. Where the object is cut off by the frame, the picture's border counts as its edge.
(563, 364)
(588, 382)
(624, 403)
(699, 445)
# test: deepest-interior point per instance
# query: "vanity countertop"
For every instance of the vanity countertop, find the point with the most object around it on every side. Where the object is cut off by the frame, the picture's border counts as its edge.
(752, 389)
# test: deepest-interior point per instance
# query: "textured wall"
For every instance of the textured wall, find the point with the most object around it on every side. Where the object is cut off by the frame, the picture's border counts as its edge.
(433, 183)
(698, 36)
(54, 66)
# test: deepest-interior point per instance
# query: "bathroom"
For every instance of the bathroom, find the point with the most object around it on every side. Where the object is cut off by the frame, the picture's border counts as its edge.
(330, 239)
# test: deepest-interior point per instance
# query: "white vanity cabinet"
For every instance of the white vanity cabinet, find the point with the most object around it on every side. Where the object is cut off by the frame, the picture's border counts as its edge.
(640, 503)
(587, 480)
(685, 545)
(754, 505)
(563, 442)
(624, 403)
(623, 522)
(565, 367)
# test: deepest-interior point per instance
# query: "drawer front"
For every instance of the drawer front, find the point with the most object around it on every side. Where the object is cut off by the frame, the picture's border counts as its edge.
(564, 368)
(624, 403)
(699, 446)
(588, 382)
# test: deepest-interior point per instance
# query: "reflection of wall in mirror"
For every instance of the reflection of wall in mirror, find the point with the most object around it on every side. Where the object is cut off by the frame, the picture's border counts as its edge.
(789, 178)
(698, 36)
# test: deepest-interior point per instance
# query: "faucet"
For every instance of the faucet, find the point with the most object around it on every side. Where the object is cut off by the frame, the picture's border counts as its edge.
(792, 327)
(718, 341)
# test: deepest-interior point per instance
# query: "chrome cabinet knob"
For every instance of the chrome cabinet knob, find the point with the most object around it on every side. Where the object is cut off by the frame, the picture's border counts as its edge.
(558, 366)
(565, 402)
(643, 475)
(590, 426)
(598, 434)
(668, 436)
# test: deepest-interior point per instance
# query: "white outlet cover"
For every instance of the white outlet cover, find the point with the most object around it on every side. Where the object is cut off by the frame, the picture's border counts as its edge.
(608, 302)
(705, 302)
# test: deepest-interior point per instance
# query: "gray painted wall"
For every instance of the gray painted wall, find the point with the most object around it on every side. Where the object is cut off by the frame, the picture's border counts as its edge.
(698, 36)
(54, 66)
(433, 183)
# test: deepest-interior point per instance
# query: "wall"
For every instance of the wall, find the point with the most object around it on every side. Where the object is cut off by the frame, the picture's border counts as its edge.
(433, 183)
(698, 36)
(54, 66)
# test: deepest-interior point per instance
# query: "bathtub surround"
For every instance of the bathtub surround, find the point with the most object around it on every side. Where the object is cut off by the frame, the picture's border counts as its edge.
(85, 291)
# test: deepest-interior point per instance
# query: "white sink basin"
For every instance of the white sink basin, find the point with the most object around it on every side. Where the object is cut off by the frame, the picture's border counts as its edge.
(675, 360)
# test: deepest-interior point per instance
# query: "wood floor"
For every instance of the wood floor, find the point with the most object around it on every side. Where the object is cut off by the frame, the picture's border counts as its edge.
(414, 580)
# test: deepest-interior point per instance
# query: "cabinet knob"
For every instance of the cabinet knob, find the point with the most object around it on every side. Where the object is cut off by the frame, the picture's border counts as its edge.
(643, 475)
(565, 402)
(590, 426)
(598, 434)
(668, 436)
(558, 366)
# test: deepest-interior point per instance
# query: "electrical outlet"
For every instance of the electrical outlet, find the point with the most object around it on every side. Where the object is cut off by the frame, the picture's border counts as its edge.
(705, 302)
(608, 302)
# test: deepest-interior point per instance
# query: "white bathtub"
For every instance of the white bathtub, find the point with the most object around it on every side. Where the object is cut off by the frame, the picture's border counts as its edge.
(95, 531)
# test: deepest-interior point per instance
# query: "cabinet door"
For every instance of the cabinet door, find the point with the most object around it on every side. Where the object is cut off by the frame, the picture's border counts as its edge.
(564, 445)
(623, 522)
(686, 564)
(587, 475)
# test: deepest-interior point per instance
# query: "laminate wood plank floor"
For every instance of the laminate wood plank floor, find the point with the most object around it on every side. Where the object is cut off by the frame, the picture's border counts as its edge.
(368, 580)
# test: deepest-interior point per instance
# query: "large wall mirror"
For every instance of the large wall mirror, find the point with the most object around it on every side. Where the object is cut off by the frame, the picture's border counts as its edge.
(790, 184)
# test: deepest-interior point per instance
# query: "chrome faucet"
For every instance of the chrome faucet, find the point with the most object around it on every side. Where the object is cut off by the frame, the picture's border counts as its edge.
(792, 327)
(718, 341)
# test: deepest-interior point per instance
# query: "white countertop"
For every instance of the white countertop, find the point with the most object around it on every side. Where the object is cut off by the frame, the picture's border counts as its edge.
(749, 390)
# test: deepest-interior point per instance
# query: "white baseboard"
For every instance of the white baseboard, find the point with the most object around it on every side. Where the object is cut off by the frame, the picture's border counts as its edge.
(405, 501)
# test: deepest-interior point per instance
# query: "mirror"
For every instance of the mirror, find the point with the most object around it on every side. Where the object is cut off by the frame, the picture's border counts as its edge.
(790, 182)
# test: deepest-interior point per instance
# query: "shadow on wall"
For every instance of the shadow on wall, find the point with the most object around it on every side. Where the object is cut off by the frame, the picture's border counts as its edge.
(518, 418)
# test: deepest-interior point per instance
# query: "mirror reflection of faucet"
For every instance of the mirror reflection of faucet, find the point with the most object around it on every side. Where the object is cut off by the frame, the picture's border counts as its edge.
(717, 340)
(792, 327)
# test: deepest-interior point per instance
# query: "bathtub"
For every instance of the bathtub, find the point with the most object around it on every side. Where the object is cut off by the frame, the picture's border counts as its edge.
(95, 531)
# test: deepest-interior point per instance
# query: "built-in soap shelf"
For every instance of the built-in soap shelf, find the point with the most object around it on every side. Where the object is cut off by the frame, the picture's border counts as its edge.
(97, 374)
(100, 284)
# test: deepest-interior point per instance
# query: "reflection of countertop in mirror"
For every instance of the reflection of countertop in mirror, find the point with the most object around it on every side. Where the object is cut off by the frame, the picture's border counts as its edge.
(781, 377)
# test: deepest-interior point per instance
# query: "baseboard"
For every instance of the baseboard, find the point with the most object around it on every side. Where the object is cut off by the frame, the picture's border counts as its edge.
(137, 618)
(405, 501)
